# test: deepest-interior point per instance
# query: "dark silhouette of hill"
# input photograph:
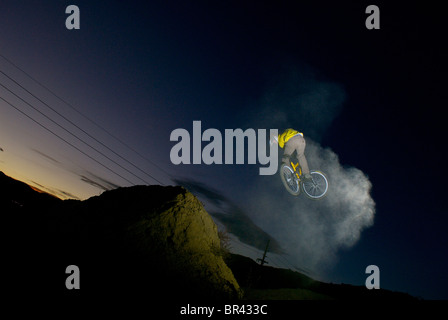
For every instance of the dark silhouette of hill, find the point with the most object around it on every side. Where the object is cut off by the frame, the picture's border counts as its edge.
(149, 241)
(264, 282)
(16, 194)
(153, 241)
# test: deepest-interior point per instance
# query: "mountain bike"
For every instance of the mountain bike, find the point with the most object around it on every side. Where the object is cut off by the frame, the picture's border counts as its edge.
(295, 182)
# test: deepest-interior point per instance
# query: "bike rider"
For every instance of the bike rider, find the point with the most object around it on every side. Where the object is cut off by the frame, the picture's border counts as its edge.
(292, 140)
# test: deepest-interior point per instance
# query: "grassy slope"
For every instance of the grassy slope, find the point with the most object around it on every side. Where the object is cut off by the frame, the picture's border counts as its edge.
(283, 284)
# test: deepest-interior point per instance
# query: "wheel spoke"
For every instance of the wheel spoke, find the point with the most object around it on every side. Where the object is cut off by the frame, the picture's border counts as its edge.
(317, 187)
(289, 180)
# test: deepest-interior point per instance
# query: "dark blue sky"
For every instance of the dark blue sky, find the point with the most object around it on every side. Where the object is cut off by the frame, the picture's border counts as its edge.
(141, 69)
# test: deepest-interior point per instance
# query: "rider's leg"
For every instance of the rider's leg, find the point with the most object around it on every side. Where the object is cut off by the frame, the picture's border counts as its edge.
(289, 149)
(299, 145)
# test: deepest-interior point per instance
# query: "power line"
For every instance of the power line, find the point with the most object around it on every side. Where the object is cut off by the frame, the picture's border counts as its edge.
(275, 262)
(285, 262)
(73, 146)
(68, 120)
(84, 116)
(72, 134)
(241, 244)
(301, 270)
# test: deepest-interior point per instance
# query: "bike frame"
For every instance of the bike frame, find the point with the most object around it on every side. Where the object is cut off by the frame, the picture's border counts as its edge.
(294, 167)
(295, 172)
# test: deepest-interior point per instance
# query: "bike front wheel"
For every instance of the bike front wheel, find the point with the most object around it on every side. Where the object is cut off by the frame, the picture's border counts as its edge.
(290, 180)
(317, 187)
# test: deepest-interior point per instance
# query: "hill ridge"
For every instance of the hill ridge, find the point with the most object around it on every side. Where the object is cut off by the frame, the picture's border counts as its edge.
(129, 227)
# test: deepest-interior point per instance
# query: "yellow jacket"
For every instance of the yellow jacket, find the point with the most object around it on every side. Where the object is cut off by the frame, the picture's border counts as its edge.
(286, 135)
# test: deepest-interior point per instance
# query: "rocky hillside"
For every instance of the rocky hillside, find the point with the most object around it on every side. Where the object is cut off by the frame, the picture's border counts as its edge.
(150, 240)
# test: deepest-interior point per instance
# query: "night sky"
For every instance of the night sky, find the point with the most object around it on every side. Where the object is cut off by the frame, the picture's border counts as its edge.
(112, 92)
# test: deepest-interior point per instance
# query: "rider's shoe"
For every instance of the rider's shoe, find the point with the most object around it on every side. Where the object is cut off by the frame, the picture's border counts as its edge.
(308, 177)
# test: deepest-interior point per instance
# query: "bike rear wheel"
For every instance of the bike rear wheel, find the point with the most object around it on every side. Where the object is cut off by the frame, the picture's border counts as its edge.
(317, 187)
(289, 180)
